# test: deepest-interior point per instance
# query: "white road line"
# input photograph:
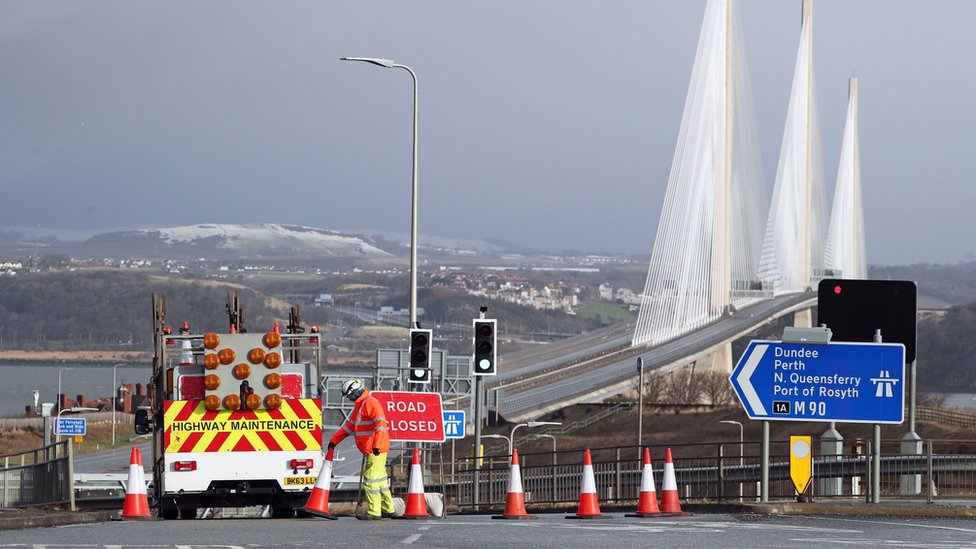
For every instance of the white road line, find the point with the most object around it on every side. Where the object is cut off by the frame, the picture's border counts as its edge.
(411, 539)
(912, 525)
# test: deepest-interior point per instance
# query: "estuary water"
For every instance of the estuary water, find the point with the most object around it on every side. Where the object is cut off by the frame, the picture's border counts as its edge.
(20, 382)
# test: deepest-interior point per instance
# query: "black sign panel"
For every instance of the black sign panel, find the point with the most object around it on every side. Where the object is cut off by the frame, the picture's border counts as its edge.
(854, 309)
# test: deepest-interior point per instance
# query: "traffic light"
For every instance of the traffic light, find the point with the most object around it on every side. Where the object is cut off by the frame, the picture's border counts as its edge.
(420, 346)
(484, 347)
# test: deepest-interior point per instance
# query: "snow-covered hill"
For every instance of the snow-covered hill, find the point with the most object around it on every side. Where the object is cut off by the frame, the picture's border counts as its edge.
(254, 241)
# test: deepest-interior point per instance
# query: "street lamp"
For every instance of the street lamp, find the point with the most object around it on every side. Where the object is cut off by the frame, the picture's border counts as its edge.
(553, 437)
(732, 422)
(507, 440)
(115, 395)
(59, 385)
(530, 424)
(390, 64)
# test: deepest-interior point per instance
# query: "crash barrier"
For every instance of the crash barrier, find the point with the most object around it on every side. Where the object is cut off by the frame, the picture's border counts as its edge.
(37, 477)
(945, 469)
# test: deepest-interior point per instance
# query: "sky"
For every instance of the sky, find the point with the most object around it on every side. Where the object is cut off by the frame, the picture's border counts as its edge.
(546, 123)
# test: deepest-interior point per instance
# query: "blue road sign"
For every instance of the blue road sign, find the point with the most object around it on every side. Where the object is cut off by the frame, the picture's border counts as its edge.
(453, 423)
(71, 426)
(843, 382)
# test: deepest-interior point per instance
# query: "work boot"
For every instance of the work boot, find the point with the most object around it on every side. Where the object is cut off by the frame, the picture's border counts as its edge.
(369, 517)
(388, 515)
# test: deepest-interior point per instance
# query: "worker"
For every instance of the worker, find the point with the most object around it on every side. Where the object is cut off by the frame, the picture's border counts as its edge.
(372, 433)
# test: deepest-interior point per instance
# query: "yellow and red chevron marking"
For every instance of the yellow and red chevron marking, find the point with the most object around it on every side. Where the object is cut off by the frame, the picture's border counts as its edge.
(190, 427)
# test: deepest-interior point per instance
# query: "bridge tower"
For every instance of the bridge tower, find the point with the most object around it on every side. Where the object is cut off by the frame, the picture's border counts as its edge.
(707, 247)
(793, 247)
(846, 252)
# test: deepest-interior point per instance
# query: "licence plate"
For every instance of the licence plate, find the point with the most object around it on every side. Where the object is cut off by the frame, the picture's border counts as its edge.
(299, 481)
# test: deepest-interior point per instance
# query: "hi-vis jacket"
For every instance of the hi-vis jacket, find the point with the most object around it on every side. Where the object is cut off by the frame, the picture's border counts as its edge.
(369, 425)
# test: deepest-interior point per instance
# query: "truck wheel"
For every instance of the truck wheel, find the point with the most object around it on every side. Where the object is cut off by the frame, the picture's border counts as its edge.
(169, 513)
(188, 513)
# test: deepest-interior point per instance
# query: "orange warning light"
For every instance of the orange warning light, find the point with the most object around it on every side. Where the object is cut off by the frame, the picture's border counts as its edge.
(211, 340)
(242, 371)
(232, 402)
(212, 402)
(211, 361)
(226, 356)
(272, 339)
(211, 382)
(273, 360)
(272, 401)
(272, 380)
(256, 355)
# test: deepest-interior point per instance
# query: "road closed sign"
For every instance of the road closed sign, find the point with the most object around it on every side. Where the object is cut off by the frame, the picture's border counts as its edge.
(413, 417)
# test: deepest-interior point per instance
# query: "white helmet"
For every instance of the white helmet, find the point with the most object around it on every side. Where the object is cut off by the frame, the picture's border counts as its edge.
(352, 388)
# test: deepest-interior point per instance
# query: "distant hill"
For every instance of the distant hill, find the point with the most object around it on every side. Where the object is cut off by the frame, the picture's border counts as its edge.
(259, 241)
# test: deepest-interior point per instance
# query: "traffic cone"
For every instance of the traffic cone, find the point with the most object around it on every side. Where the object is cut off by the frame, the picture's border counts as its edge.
(515, 501)
(589, 507)
(136, 506)
(318, 500)
(416, 501)
(669, 494)
(647, 503)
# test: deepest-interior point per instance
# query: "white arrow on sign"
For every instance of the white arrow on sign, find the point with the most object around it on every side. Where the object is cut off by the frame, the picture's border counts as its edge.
(745, 381)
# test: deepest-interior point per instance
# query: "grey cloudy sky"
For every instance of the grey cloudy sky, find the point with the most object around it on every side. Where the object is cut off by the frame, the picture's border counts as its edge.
(544, 122)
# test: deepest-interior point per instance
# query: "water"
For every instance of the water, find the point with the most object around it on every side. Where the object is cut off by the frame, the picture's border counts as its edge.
(20, 382)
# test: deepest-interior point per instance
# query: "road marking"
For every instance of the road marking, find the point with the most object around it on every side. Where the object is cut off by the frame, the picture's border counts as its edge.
(411, 538)
(943, 544)
(913, 525)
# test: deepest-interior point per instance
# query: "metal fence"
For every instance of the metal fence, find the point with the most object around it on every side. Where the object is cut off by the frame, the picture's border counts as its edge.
(37, 477)
(715, 472)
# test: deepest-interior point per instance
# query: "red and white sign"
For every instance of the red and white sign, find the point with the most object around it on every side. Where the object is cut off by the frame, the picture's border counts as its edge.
(413, 417)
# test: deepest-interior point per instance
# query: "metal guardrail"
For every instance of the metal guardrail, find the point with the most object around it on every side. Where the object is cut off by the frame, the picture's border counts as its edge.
(716, 472)
(37, 477)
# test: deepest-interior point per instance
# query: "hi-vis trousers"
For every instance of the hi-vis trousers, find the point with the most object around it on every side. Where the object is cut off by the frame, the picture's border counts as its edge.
(377, 486)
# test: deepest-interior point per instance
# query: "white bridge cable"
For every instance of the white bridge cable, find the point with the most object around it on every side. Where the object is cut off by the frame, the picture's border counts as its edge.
(677, 297)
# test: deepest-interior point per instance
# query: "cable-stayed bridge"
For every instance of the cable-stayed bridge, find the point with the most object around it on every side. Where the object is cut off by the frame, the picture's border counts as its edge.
(723, 262)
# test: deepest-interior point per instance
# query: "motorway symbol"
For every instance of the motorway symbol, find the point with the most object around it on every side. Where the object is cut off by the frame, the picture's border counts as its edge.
(844, 382)
(71, 426)
(454, 423)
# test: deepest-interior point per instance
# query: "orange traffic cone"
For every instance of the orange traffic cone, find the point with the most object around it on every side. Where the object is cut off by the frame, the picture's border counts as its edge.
(318, 501)
(136, 506)
(416, 501)
(515, 501)
(669, 494)
(647, 503)
(589, 507)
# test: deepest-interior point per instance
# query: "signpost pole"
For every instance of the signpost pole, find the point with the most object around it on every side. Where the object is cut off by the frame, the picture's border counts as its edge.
(764, 488)
(640, 406)
(876, 455)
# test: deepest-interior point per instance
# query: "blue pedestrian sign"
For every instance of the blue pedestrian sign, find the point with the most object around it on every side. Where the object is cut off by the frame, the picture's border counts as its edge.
(71, 426)
(843, 382)
(453, 423)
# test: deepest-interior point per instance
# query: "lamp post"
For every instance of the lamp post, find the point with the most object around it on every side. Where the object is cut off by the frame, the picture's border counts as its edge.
(507, 441)
(732, 422)
(59, 385)
(115, 396)
(530, 424)
(390, 64)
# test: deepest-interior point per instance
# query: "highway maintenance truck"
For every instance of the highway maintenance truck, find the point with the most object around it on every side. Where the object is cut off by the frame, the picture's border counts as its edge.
(235, 417)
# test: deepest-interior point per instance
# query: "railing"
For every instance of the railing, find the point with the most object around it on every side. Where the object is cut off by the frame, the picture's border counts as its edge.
(946, 417)
(712, 473)
(37, 477)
